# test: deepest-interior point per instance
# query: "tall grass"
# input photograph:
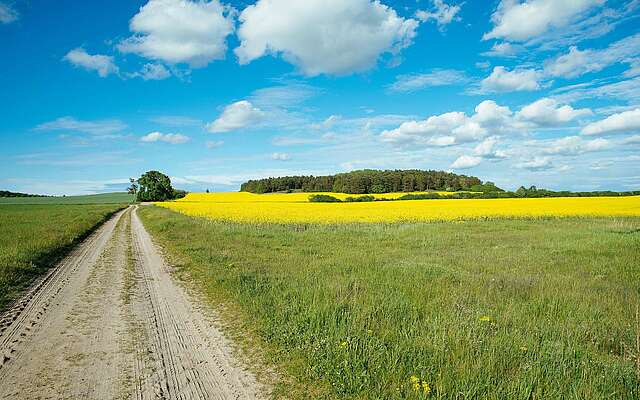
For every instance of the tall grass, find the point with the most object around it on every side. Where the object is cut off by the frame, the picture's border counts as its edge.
(513, 309)
(33, 237)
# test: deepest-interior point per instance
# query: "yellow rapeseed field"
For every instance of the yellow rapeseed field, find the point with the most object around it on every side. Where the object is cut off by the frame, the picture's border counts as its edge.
(295, 208)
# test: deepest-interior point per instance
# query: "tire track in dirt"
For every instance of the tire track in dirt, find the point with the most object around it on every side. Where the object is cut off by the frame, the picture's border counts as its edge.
(109, 322)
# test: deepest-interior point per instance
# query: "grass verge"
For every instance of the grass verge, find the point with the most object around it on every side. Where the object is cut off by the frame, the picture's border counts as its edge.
(35, 237)
(486, 309)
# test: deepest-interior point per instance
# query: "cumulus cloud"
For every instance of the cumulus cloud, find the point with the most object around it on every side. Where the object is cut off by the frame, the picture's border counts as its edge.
(493, 116)
(323, 36)
(573, 145)
(236, 116)
(503, 80)
(102, 64)
(280, 156)
(437, 77)
(7, 14)
(536, 164)
(547, 112)
(442, 13)
(520, 21)
(173, 138)
(628, 121)
(437, 130)
(180, 31)
(579, 62)
(453, 127)
(98, 128)
(487, 149)
(465, 162)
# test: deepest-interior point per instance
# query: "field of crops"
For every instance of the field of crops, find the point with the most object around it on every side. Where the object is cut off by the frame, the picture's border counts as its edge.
(499, 309)
(32, 237)
(295, 208)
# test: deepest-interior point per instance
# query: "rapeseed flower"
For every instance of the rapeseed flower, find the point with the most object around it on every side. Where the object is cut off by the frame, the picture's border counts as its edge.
(295, 208)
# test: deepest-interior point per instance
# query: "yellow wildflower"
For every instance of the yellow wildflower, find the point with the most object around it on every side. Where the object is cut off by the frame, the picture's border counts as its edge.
(523, 348)
(414, 379)
(485, 318)
(343, 344)
(426, 388)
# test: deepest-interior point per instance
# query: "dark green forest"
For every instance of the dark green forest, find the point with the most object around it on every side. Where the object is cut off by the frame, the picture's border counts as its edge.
(369, 181)
(6, 193)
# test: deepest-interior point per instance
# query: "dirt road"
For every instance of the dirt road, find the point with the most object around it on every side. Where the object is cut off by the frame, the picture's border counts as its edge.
(110, 323)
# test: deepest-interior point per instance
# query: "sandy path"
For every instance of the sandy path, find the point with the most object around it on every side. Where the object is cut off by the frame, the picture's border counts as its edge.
(110, 323)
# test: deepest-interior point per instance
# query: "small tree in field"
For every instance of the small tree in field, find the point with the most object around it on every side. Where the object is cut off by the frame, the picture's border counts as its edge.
(155, 186)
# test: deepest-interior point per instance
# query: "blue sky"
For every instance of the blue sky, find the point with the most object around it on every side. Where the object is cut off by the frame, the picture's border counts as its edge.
(537, 92)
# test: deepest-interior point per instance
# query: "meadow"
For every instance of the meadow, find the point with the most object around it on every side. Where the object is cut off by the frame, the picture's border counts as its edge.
(103, 198)
(497, 309)
(296, 208)
(34, 237)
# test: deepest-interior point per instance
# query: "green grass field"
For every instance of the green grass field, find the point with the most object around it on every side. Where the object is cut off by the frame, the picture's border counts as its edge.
(105, 198)
(33, 237)
(518, 309)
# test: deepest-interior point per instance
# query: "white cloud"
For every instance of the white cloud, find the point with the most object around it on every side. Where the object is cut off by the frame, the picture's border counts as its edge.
(573, 145)
(627, 90)
(454, 127)
(486, 149)
(180, 31)
(153, 72)
(104, 65)
(437, 77)
(7, 14)
(437, 130)
(176, 120)
(214, 144)
(464, 162)
(547, 112)
(493, 116)
(280, 156)
(628, 121)
(521, 21)
(98, 128)
(634, 68)
(536, 164)
(635, 139)
(502, 80)
(236, 116)
(442, 13)
(503, 49)
(323, 36)
(579, 62)
(327, 123)
(173, 138)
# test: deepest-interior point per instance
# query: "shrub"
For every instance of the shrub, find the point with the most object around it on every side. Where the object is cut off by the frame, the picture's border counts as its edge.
(323, 198)
(360, 199)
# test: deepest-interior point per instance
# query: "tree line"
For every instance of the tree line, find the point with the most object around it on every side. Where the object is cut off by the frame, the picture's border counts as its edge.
(6, 193)
(369, 181)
